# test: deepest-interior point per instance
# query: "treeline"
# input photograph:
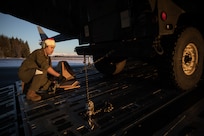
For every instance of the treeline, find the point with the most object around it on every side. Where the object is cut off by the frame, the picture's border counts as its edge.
(13, 47)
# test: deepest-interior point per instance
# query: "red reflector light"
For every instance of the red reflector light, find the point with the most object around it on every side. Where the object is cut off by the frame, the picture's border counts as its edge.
(164, 16)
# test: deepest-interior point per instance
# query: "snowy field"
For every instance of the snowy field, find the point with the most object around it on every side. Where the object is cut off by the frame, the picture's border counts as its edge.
(72, 60)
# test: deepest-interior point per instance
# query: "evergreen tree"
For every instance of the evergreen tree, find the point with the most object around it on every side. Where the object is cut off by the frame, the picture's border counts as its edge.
(13, 47)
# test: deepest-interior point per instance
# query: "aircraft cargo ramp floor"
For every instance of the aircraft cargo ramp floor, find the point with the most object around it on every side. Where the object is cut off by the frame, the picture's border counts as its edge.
(133, 102)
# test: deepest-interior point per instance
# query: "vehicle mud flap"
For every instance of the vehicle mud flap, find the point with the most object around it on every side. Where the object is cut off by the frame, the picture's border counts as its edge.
(109, 66)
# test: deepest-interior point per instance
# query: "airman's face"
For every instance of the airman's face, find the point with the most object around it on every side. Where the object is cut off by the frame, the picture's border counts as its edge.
(49, 50)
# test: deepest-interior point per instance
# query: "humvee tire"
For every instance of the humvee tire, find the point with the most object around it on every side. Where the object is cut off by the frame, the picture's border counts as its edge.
(183, 59)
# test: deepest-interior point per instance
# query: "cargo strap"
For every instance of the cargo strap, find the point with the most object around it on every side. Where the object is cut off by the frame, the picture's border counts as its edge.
(157, 46)
(96, 61)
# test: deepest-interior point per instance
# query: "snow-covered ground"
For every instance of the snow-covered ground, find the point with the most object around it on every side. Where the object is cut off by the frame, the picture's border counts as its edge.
(72, 60)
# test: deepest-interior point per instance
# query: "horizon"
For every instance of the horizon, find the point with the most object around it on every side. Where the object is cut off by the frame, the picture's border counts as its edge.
(72, 60)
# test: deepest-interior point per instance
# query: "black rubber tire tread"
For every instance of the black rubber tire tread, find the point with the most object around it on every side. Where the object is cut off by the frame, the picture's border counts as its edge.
(170, 70)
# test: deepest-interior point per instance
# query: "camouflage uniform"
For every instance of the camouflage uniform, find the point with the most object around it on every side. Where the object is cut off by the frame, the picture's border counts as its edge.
(37, 60)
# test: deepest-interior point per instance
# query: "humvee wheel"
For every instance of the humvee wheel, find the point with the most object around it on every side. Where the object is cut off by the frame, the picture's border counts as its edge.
(187, 62)
(190, 59)
(108, 66)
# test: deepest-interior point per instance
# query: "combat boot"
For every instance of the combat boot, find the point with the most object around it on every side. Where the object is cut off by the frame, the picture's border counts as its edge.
(31, 95)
